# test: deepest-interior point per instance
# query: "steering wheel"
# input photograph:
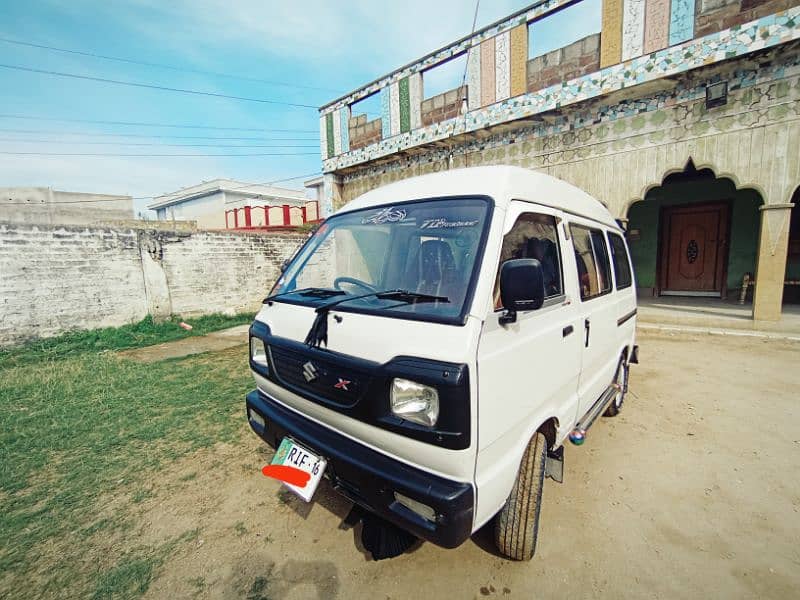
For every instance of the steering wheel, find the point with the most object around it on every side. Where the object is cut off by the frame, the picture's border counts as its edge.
(353, 281)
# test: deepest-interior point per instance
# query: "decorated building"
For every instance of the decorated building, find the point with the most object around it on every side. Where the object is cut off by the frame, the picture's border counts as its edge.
(681, 116)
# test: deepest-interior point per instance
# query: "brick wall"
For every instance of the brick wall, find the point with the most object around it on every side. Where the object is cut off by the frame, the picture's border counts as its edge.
(716, 15)
(443, 106)
(59, 278)
(363, 132)
(579, 58)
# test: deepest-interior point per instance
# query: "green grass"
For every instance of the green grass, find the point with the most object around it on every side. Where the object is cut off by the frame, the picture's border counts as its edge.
(136, 335)
(82, 432)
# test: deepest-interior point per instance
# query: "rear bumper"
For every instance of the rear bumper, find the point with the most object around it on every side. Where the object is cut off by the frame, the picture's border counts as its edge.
(370, 478)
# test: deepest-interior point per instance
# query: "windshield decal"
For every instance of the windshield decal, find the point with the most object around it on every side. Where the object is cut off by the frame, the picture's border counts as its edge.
(442, 223)
(387, 215)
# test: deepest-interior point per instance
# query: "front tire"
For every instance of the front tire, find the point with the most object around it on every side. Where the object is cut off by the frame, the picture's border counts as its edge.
(517, 524)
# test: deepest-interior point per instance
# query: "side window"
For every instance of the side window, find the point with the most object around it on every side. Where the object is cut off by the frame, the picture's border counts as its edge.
(533, 236)
(622, 266)
(591, 256)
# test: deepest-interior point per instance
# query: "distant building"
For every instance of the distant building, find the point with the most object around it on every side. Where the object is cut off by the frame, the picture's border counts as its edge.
(48, 206)
(229, 204)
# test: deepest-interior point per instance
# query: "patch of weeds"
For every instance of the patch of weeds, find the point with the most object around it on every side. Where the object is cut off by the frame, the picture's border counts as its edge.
(198, 583)
(141, 495)
(240, 528)
(110, 424)
(129, 579)
(146, 332)
(189, 477)
(132, 575)
(286, 497)
(258, 591)
(95, 527)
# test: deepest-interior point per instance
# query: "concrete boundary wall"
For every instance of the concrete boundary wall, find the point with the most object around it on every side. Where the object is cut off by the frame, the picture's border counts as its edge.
(59, 278)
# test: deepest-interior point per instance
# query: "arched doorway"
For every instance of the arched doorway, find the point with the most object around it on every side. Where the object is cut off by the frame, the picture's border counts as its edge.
(695, 235)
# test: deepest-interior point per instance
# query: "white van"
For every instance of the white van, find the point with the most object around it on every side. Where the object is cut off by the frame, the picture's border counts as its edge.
(433, 344)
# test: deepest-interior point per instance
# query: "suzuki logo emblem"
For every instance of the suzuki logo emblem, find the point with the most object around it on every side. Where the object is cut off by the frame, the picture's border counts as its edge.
(310, 372)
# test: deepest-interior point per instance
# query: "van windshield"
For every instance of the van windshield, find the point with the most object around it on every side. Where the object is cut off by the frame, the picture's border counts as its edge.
(427, 248)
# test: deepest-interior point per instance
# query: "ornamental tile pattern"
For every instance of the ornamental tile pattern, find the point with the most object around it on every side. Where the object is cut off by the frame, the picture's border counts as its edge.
(632, 29)
(656, 25)
(502, 75)
(766, 32)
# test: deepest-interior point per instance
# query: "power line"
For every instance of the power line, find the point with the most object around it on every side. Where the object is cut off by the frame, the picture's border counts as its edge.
(144, 124)
(162, 88)
(164, 66)
(126, 198)
(153, 136)
(94, 143)
(153, 155)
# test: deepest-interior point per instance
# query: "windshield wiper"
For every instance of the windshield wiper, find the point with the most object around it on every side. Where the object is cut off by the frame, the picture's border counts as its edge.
(408, 297)
(316, 292)
(318, 334)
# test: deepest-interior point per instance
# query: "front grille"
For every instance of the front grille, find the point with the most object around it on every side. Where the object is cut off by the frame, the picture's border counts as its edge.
(329, 381)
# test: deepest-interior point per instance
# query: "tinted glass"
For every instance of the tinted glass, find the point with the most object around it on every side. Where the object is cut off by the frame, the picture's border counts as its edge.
(591, 256)
(619, 254)
(533, 236)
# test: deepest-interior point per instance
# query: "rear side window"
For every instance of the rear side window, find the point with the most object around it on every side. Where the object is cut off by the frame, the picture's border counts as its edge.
(591, 256)
(533, 236)
(622, 266)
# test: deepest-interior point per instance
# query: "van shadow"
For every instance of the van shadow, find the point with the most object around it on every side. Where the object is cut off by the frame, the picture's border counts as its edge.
(349, 515)
(484, 539)
(325, 496)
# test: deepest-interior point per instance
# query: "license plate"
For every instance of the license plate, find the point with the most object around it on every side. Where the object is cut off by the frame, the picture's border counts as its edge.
(292, 454)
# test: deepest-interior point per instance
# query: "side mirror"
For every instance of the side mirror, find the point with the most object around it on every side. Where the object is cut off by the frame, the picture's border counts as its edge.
(521, 287)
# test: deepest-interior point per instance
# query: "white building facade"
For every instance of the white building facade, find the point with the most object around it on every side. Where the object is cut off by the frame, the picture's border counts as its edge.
(230, 204)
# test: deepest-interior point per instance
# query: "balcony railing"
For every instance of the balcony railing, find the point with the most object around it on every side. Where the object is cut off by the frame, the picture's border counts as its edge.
(266, 217)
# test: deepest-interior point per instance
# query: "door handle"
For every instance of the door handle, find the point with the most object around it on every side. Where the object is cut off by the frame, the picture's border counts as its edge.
(567, 330)
(586, 326)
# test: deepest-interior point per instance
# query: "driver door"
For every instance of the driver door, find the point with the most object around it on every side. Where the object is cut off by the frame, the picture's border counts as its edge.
(528, 370)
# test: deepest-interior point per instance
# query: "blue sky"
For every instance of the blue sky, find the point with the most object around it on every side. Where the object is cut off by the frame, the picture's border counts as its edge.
(328, 48)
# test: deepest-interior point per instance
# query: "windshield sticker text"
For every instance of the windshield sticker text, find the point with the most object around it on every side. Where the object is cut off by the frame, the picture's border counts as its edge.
(387, 215)
(445, 224)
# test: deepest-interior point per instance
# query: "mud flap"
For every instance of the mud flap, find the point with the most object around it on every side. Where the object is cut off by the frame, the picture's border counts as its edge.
(554, 464)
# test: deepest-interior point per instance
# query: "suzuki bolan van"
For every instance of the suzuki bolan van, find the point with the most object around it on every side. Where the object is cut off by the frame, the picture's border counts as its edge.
(434, 343)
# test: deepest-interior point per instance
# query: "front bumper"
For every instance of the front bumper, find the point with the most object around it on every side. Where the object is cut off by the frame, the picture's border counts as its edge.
(370, 478)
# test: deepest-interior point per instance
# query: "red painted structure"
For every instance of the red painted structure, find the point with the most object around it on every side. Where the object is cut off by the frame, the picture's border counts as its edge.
(284, 216)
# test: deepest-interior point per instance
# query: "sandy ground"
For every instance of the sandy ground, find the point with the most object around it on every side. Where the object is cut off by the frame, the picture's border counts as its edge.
(692, 491)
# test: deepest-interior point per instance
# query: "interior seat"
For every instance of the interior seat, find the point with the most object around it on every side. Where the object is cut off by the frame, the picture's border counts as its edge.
(436, 269)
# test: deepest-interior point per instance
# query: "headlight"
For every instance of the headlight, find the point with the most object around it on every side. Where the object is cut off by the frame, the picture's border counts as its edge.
(258, 353)
(415, 402)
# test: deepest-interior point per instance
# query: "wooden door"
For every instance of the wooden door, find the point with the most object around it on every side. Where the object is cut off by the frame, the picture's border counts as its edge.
(693, 252)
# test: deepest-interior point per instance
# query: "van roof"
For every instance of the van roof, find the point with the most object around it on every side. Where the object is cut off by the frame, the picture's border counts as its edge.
(502, 183)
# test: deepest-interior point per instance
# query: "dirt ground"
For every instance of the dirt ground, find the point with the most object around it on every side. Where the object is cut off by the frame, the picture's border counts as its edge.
(692, 491)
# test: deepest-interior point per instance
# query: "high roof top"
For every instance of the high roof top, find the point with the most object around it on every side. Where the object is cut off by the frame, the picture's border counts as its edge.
(502, 183)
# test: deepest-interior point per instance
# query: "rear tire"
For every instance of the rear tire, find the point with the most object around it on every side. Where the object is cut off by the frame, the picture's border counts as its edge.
(620, 380)
(517, 524)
